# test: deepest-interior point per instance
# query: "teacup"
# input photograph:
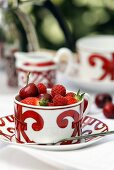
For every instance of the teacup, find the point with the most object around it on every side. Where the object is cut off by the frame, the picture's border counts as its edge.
(43, 125)
(95, 58)
(42, 65)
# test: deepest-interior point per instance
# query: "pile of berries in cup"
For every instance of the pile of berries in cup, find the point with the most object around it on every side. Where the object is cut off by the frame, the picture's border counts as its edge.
(39, 95)
(104, 101)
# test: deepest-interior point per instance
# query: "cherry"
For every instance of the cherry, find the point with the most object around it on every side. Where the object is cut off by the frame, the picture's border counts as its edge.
(30, 90)
(108, 110)
(102, 99)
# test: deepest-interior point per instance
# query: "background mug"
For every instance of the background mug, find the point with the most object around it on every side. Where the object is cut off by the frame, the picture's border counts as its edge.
(43, 66)
(95, 58)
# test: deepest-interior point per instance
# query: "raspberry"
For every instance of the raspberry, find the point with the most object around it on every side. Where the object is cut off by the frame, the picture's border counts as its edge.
(58, 89)
(59, 100)
(70, 94)
(71, 100)
(41, 88)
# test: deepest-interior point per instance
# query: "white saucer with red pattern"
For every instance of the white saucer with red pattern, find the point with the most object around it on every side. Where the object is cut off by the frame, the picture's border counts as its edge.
(90, 125)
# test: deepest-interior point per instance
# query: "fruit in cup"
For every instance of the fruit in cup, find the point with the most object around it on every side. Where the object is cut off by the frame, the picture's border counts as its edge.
(59, 100)
(38, 95)
(108, 110)
(41, 88)
(102, 99)
(58, 89)
(30, 90)
(31, 101)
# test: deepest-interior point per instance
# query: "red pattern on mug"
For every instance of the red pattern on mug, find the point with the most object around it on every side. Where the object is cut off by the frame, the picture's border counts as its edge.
(21, 126)
(107, 66)
(62, 121)
(47, 77)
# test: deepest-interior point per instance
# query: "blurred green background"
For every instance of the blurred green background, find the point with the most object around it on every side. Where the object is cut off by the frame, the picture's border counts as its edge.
(83, 17)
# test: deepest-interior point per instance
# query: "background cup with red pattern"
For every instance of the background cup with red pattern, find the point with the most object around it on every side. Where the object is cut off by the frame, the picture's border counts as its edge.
(43, 125)
(96, 55)
(95, 58)
(43, 66)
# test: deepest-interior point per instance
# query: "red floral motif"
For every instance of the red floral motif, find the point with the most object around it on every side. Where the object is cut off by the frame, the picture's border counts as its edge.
(62, 122)
(108, 65)
(21, 126)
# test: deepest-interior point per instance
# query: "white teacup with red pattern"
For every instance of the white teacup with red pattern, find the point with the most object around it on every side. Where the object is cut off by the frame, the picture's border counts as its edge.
(43, 124)
(42, 65)
(95, 55)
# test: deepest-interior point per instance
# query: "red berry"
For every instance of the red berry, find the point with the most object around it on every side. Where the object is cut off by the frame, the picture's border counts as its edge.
(108, 110)
(102, 99)
(41, 88)
(29, 90)
(58, 89)
(31, 101)
(71, 100)
(50, 104)
(70, 94)
(46, 96)
(59, 100)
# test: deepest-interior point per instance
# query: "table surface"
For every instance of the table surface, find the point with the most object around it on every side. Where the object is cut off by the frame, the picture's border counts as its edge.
(51, 160)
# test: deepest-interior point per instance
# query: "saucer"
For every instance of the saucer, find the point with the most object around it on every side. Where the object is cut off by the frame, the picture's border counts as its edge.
(90, 125)
(87, 85)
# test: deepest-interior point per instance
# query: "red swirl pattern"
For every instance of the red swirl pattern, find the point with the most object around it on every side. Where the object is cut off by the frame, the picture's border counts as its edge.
(107, 66)
(89, 125)
(21, 126)
(62, 121)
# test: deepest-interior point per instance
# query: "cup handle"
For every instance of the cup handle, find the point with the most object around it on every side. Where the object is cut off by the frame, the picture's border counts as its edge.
(88, 100)
(65, 52)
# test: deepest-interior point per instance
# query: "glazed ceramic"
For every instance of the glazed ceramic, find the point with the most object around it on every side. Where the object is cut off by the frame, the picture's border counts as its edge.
(43, 66)
(90, 125)
(48, 124)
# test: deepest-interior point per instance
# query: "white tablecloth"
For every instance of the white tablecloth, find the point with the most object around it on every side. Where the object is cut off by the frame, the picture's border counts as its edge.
(99, 156)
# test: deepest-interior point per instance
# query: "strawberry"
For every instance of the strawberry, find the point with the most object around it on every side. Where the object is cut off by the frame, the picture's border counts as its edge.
(41, 88)
(43, 102)
(58, 89)
(59, 100)
(79, 96)
(71, 100)
(31, 101)
(74, 97)
(70, 94)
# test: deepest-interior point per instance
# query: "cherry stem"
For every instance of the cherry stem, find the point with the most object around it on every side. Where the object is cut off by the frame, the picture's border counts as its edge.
(28, 74)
